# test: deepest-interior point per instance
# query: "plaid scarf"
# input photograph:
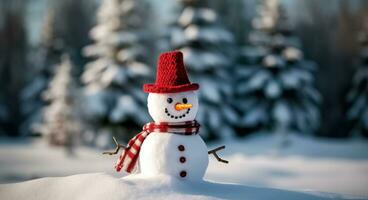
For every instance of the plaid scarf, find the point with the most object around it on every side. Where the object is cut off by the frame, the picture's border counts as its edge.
(129, 157)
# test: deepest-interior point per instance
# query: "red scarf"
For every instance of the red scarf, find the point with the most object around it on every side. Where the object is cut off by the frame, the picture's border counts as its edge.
(129, 157)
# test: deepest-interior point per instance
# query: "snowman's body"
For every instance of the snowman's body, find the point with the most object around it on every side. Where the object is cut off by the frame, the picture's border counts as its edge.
(173, 105)
(174, 155)
(184, 156)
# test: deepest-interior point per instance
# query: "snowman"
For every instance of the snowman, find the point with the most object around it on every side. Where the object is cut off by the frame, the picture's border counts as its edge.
(171, 144)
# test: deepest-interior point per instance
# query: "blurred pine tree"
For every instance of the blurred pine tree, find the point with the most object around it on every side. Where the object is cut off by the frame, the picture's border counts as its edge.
(209, 54)
(275, 89)
(358, 95)
(236, 16)
(61, 125)
(65, 27)
(115, 103)
(328, 30)
(43, 62)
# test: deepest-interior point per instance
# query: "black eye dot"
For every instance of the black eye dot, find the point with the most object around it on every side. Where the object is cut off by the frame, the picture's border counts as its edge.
(169, 100)
(185, 100)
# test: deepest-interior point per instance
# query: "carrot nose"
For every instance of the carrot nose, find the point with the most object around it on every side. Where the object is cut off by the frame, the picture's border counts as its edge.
(182, 106)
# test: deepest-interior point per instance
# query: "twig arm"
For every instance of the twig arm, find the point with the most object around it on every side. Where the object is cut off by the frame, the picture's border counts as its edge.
(214, 152)
(118, 146)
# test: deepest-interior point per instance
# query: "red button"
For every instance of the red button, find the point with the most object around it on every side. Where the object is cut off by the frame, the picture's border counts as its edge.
(182, 159)
(183, 174)
(181, 148)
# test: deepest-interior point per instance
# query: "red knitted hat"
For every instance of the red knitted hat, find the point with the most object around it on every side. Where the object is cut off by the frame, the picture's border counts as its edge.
(171, 75)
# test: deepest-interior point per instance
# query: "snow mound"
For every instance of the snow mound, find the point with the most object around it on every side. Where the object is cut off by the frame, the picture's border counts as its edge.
(106, 187)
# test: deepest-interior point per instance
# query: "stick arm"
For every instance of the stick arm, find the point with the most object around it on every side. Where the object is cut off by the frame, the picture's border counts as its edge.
(214, 152)
(117, 148)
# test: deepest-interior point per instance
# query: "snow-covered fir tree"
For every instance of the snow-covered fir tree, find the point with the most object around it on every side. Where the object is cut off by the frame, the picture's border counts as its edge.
(61, 125)
(60, 33)
(115, 103)
(358, 96)
(233, 13)
(43, 62)
(275, 90)
(208, 50)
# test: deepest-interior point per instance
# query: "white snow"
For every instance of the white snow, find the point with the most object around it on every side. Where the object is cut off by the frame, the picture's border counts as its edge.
(114, 74)
(268, 14)
(309, 164)
(208, 34)
(292, 53)
(333, 166)
(273, 61)
(102, 186)
(191, 15)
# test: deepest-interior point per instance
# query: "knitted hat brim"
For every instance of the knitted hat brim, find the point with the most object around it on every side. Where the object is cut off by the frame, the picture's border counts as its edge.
(153, 88)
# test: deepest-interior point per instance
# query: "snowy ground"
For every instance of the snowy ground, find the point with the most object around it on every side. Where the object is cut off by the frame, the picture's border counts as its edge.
(323, 165)
(102, 186)
(339, 167)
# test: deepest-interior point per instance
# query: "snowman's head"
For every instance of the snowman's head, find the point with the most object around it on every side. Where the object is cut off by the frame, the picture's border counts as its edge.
(173, 107)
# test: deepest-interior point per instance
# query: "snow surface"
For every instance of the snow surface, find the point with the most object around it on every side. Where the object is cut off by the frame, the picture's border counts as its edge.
(103, 186)
(307, 164)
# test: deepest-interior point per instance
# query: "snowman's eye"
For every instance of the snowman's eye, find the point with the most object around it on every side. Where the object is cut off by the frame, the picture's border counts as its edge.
(185, 100)
(169, 100)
